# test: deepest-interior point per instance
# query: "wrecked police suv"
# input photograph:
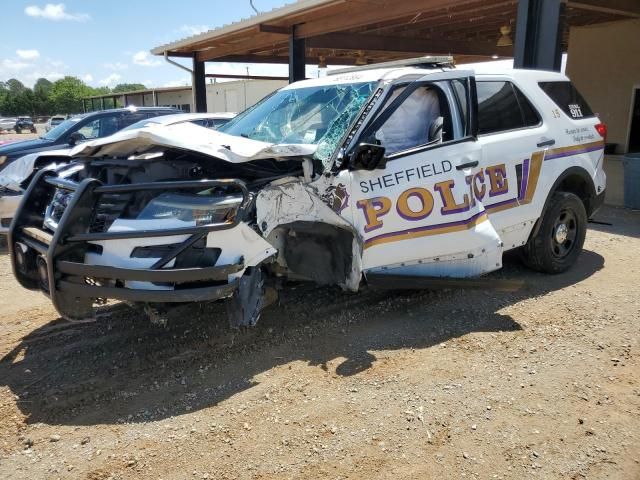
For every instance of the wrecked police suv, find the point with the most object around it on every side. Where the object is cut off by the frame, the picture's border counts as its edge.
(391, 174)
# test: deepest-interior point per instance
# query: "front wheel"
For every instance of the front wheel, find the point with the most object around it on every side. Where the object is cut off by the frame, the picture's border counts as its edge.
(559, 240)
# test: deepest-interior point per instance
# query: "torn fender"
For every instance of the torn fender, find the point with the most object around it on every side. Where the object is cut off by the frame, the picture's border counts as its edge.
(19, 170)
(312, 239)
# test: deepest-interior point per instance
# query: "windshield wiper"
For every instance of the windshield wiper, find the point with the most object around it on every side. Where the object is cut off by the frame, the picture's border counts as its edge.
(244, 135)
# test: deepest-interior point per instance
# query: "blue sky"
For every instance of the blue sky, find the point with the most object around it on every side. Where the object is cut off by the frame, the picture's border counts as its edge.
(106, 42)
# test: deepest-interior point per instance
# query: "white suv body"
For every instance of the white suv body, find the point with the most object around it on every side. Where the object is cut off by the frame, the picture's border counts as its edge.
(400, 173)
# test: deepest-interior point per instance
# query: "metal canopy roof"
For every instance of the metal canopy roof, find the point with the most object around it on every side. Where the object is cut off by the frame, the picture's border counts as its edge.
(345, 32)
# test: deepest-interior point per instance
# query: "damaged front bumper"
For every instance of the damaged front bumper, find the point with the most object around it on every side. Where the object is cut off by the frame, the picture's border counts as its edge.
(66, 264)
(9, 202)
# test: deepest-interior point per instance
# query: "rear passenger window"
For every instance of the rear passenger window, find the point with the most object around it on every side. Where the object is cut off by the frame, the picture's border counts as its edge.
(502, 107)
(565, 95)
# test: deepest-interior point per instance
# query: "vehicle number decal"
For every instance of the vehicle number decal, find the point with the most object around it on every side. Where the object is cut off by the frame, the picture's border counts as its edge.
(575, 110)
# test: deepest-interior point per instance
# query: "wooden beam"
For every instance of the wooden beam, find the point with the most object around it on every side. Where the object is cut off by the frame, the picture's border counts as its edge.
(385, 43)
(628, 8)
(264, 28)
(267, 40)
(358, 14)
(283, 59)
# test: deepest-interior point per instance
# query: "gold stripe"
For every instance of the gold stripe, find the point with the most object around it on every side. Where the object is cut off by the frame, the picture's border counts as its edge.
(427, 233)
(500, 208)
(534, 174)
(579, 146)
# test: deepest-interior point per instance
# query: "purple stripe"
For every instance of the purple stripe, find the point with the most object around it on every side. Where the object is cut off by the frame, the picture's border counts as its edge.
(425, 228)
(499, 204)
(525, 179)
(573, 152)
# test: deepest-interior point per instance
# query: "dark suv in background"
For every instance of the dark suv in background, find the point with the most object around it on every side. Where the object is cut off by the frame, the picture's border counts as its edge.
(80, 128)
(24, 123)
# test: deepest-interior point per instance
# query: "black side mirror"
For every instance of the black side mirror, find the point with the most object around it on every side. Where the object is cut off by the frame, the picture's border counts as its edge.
(368, 156)
(75, 138)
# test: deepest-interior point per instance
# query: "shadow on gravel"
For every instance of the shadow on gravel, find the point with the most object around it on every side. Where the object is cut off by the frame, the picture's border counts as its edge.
(122, 369)
(617, 221)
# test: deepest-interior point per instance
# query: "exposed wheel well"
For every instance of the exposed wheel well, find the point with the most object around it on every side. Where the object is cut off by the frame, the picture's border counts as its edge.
(574, 180)
(577, 185)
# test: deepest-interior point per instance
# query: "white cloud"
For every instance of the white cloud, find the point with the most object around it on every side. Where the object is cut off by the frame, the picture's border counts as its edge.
(148, 83)
(144, 59)
(87, 78)
(55, 12)
(10, 64)
(117, 66)
(192, 30)
(28, 54)
(111, 81)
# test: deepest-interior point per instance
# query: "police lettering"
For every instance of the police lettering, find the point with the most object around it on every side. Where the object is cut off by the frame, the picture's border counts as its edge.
(417, 203)
(405, 176)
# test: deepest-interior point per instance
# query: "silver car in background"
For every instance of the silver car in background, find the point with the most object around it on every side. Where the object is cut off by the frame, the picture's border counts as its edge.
(7, 124)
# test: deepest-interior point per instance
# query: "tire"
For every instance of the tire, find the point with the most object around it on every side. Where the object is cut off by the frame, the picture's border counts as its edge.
(559, 240)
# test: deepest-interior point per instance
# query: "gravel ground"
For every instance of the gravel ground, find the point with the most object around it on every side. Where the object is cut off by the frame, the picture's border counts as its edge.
(12, 136)
(541, 383)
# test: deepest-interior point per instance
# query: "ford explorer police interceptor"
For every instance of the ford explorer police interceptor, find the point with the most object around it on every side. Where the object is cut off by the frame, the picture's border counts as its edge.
(411, 170)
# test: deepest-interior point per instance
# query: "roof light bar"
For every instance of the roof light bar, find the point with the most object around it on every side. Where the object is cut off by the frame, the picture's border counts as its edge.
(424, 62)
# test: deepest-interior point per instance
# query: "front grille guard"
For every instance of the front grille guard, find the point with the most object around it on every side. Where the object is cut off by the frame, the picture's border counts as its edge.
(74, 231)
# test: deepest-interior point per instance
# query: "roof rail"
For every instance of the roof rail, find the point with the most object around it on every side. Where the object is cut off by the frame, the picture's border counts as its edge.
(423, 62)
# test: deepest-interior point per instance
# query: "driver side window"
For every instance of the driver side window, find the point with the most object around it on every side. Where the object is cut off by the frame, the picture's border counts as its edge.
(90, 130)
(419, 120)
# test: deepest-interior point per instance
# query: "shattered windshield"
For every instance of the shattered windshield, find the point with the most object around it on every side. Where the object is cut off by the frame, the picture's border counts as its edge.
(313, 115)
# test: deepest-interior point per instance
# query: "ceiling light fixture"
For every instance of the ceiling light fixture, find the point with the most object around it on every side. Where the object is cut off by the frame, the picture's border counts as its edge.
(505, 38)
(360, 59)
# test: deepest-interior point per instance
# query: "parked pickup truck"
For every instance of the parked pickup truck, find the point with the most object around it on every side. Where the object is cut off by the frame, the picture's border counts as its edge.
(390, 174)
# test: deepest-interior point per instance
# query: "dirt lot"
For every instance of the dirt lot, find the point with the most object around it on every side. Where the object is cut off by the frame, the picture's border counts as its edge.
(12, 136)
(542, 383)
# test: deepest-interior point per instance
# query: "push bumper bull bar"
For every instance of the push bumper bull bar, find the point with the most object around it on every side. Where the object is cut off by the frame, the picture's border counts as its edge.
(57, 260)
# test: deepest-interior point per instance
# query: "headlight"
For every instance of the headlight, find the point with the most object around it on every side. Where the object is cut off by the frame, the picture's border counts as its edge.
(3, 158)
(201, 209)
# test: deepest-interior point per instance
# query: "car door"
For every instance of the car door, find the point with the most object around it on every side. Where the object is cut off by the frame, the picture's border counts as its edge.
(418, 215)
(513, 139)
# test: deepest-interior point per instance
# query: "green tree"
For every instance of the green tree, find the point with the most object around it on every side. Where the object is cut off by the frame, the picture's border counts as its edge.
(18, 99)
(128, 87)
(4, 91)
(42, 103)
(15, 86)
(67, 94)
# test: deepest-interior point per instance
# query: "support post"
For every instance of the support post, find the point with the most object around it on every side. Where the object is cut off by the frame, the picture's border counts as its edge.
(84, 106)
(102, 103)
(296, 57)
(199, 83)
(93, 107)
(539, 28)
(124, 100)
(155, 98)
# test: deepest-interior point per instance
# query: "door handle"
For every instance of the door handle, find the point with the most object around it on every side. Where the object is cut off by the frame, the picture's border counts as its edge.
(546, 143)
(462, 166)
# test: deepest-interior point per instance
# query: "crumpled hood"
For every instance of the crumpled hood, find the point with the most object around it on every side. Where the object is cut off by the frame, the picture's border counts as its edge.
(19, 170)
(187, 136)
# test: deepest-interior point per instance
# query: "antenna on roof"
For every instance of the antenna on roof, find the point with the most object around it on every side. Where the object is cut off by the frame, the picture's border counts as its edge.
(254, 8)
(429, 61)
